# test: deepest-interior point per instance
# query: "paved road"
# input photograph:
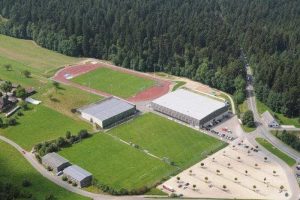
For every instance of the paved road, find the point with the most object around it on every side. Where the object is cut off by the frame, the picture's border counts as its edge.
(263, 131)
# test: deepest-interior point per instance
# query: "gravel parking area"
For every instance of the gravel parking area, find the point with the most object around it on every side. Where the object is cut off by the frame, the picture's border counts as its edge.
(237, 171)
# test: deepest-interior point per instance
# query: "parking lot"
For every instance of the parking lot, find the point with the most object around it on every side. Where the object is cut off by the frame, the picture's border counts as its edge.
(227, 129)
(238, 171)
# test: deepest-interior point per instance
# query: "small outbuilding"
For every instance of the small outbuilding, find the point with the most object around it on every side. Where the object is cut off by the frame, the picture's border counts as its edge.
(107, 112)
(78, 175)
(270, 120)
(55, 161)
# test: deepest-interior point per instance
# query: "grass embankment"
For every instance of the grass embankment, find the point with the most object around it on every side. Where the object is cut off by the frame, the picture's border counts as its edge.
(28, 53)
(114, 82)
(41, 124)
(14, 169)
(288, 160)
(242, 109)
(178, 85)
(261, 107)
(166, 138)
(117, 164)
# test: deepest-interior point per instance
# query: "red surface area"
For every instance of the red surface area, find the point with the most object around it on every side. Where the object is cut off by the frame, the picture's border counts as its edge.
(160, 88)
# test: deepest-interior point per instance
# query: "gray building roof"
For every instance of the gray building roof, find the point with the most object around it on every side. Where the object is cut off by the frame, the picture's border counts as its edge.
(54, 159)
(107, 108)
(268, 118)
(190, 103)
(76, 172)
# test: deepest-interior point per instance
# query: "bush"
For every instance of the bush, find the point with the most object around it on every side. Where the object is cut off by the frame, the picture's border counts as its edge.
(1, 120)
(26, 183)
(50, 197)
(74, 184)
(49, 169)
(26, 195)
(61, 142)
(24, 105)
(11, 121)
(38, 157)
(73, 110)
(20, 114)
(83, 134)
(68, 134)
(64, 178)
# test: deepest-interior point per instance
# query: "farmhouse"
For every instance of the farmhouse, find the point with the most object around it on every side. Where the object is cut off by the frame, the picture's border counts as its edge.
(55, 161)
(269, 120)
(189, 107)
(107, 112)
(78, 175)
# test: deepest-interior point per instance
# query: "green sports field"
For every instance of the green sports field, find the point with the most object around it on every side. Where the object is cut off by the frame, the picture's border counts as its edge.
(29, 53)
(116, 164)
(40, 124)
(14, 169)
(114, 82)
(166, 138)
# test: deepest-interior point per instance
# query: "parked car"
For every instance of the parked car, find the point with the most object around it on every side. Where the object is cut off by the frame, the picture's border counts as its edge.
(59, 173)
(298, 167)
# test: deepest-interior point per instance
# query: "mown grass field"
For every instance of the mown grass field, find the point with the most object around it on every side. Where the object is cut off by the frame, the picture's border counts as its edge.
(41, 124)
(29, 53)
(65, 98)
(15, 74)
(166, 138)
(114, 82)
(261, 107)
(14, 169)
(290, 161)
(116, 164)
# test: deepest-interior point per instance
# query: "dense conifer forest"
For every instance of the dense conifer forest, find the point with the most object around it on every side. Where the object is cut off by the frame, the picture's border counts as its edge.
(198, 39)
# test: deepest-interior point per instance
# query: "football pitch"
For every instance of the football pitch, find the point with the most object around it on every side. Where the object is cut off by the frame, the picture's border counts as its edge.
(120, 165)
(117, 164)
(168, 139)
(114, 82)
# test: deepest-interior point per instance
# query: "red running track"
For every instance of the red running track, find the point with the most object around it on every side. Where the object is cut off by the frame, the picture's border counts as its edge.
(160, 88)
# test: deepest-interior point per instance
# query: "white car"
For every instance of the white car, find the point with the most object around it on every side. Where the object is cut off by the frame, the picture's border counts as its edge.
(59, 173)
